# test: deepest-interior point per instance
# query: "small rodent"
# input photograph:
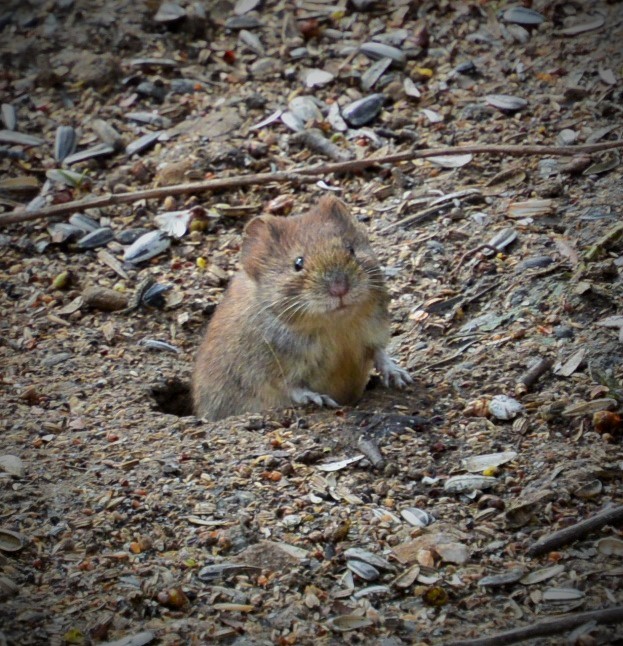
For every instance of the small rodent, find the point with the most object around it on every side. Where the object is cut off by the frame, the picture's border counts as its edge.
(303, 321)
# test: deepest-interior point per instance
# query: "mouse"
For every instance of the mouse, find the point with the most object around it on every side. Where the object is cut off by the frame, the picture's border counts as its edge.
(303, 321)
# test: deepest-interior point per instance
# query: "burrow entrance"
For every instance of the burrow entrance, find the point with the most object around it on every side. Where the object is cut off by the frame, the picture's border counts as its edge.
(172, 396)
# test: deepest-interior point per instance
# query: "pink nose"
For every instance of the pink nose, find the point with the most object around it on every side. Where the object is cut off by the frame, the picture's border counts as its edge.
(338, 287)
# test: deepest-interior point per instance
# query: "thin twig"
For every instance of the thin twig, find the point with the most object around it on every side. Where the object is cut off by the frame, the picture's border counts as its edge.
(609, 516)
(437, 205)
(553, 626)
(472, 299)
(447, 360)
(305, 174)
(467, 254)
(417, 218)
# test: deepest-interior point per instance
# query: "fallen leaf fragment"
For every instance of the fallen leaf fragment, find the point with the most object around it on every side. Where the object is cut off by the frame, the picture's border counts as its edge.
(467, 483)
(453, 553)
(571, 365)
(346, 623)
(12, 465)
(451, 161)
(610, 545)
(506, 102)
(538, 576)
(562, 594)
(140, 639)
(531, 208)
(480, 462)
(504, 578)
(340, 464)
(588, 408)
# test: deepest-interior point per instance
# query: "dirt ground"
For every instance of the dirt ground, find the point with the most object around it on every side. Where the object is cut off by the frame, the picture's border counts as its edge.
(126, 520)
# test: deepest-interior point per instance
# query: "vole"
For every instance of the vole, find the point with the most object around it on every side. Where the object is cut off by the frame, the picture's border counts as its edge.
(303, 321)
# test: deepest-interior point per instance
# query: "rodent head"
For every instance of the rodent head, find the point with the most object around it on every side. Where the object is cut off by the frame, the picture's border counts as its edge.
(312, 265)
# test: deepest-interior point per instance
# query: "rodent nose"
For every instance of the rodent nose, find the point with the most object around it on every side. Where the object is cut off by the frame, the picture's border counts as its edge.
(338, 286)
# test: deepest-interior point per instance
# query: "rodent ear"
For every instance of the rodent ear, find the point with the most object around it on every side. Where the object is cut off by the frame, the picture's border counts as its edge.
(258, 234)
(254, 227)
(333, 208)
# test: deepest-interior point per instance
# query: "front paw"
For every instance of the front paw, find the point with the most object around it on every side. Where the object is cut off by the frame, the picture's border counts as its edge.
(391, 373)
(303, 396)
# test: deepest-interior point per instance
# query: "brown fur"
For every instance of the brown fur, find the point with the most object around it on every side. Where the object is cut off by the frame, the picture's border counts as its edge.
(277, 328)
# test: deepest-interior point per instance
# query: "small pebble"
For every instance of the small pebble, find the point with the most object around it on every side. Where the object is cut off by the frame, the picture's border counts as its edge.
(563, 332)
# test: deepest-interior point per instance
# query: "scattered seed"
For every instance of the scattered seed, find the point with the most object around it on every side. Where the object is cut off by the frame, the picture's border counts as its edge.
(538, 576)
(505, 102)
(169, 12)
(160, 346)
(143, 143)
(562, 594)
(463, 484)
(107, 133)
(536, 262)
(346, 623)
(101, 150)
(317, 78)
(497, 580)
(10, 541)
(97, 238)
(357, 554)
(587, 23)
(65, 142)
(523, 16)
(374, 73)
(147, 246)
(61, 232)
(84, 222)
(150, 118)
(19, 138)
(361, 112)
(154, 295)
(377, 51)
(9, 116)
(242, 22)
(478, 463)
(251, 41)
(501, 240)
(363, 570)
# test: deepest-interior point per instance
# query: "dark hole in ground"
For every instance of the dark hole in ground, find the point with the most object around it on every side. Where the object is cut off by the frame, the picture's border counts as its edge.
(173, 397)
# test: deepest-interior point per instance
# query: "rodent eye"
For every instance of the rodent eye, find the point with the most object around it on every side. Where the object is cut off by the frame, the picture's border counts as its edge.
(298, 263)
(351, 249)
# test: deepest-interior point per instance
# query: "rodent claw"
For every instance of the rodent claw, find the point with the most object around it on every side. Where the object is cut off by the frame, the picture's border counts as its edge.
(401, 378)
(303, 396)
(391, 373)
(331, 403)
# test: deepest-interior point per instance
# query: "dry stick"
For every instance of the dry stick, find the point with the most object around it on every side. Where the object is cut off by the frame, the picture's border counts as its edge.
(611, 515)
(302, 175)
(534, 373)
(151, 193)
(552, 626)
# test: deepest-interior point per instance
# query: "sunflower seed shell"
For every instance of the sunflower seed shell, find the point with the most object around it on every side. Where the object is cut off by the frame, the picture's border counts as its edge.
(64, 143)
(147, 246)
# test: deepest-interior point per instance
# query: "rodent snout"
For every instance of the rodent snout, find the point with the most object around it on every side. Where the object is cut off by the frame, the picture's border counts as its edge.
(338, 285)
